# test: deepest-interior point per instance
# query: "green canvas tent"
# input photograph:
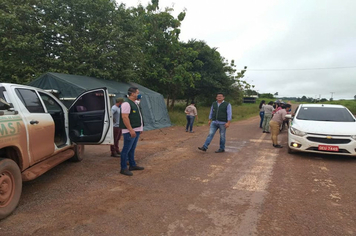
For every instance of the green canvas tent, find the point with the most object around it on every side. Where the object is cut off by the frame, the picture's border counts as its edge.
(154, 109)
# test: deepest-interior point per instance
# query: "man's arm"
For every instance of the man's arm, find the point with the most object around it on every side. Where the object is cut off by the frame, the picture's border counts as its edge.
(210, 114)
(229, 115)
(126, 120)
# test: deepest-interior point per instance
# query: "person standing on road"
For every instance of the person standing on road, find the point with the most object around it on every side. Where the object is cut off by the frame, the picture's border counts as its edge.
(268, 109)
(262, 104)
(191, 112)
(276, 122)
(132, 127)
(116, 111)
(277, 106)
(219, 118)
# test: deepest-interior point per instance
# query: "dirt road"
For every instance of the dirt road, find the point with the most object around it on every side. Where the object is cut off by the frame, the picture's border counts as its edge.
(251, 189)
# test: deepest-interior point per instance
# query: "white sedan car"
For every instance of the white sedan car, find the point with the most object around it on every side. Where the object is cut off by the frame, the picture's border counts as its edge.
(323, 128)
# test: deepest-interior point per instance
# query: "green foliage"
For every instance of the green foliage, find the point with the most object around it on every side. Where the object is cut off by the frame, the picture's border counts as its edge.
(166, 61)
(305, 99)
(21, 42)
(216, 75)
(100, 38)
(93, 38)
(266, 95)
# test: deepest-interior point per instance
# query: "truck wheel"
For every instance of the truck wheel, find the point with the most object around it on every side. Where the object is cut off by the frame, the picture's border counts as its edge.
(79, 153)
(10, 186)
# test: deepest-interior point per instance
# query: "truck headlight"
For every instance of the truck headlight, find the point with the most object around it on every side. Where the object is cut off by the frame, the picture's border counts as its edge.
(297, 132)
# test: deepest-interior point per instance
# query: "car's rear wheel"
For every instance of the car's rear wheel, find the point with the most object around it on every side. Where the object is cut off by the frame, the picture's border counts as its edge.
(79, 153)
(10, 186)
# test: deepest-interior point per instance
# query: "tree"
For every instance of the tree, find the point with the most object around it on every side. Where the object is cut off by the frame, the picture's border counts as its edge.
(216, 74)
(276, 94)
(21, 43)
(93, 38)
(100, 38)
(355, 97)
(266, 95)
(167, 62)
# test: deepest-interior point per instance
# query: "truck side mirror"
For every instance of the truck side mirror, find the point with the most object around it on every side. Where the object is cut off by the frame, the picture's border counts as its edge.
(6, 106)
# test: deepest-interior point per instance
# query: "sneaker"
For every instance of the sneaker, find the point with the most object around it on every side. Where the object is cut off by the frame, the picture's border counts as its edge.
(126, 172)
(219, 150)
(115, 155)
(277, 146)
(186, 130)
(191, 131)
(202, 148)
(264, 132)
(136, 168)
(267, 132)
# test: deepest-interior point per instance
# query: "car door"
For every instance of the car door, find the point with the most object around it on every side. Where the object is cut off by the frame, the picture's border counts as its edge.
(40, 125)
(90, 118)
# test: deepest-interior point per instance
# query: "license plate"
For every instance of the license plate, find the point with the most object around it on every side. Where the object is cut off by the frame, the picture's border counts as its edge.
(328, 148)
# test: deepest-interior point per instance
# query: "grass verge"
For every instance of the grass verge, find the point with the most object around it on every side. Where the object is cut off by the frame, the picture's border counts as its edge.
(241, 112)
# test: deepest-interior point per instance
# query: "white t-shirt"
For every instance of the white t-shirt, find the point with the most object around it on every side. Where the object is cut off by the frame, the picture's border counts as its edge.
(125, 109)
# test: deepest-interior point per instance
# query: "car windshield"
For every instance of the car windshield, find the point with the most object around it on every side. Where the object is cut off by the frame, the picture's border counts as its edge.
(325, 114)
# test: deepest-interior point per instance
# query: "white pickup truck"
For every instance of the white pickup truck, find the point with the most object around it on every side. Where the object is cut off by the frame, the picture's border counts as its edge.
(37, 132)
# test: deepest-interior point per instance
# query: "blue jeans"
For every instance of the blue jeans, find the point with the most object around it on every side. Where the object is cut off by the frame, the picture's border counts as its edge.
(128, 150)
(213, 128)
(190, 122)
(262, 114)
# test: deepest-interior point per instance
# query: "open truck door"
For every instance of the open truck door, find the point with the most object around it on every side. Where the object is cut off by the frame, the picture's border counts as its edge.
(90, 119)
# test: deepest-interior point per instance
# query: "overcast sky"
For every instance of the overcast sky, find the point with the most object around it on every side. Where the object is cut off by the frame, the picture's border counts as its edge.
(293, 47)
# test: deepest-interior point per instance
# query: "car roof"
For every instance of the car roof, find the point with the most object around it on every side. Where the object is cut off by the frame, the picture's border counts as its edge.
(323, 105)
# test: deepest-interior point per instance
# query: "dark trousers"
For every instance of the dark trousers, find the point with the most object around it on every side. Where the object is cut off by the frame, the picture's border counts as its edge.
(117, 135)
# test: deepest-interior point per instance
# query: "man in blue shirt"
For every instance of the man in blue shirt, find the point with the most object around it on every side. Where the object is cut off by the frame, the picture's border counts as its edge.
(219, 118)
(116, 110)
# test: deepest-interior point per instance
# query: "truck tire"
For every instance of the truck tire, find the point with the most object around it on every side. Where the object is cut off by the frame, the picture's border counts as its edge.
(79, 153)
(10, 186)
